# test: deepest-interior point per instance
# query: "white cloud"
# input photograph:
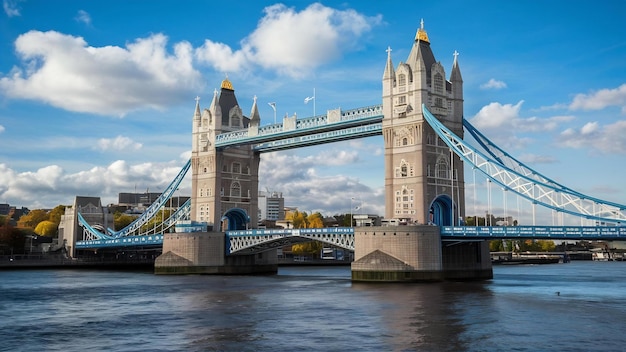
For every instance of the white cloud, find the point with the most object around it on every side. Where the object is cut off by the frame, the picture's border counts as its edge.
(292, 43)
(302, 185)
(600, 99)
(84, 17)
(10, 8)
(1, 128)
(51, 185)
(496, 115)
(65, 72)
(118, 143)
(608, 139)
(493, 84)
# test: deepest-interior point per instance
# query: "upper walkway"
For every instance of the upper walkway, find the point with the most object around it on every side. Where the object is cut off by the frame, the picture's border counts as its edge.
(335, 125)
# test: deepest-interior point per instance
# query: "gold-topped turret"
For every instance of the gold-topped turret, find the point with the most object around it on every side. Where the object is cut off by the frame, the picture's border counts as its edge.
(226, 84)
(421, 33)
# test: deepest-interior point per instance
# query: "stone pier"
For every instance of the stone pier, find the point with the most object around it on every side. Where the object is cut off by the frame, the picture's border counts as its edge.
(204, 253)
(415, 254)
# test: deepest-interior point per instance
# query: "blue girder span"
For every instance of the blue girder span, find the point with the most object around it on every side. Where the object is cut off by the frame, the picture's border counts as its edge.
(536, 189)
(134, 227)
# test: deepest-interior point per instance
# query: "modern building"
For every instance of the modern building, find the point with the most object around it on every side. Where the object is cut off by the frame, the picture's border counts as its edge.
(271, 206)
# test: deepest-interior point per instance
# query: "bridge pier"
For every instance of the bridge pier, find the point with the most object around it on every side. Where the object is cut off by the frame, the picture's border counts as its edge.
(416, 254)
(204, 253)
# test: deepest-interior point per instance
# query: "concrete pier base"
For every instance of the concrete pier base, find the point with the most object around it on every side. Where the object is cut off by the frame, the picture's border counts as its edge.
(416, 254)
(204, 253)
(397, 254)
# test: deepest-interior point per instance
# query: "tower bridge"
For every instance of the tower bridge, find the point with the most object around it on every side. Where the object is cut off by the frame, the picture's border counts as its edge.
(422, 125)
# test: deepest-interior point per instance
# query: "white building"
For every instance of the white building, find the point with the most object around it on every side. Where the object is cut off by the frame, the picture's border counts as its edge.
(271, 206)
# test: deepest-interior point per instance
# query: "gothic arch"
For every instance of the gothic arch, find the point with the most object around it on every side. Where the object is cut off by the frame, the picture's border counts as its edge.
(442, 211)
(235, 219)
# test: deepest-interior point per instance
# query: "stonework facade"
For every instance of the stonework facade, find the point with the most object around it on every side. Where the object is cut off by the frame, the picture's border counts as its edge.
(424, 181)
(223, 180)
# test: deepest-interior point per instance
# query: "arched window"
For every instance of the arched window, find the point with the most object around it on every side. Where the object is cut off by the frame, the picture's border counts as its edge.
(404, 171)
(402, 79)
(235, 189)
(438, 83)
(442, 168)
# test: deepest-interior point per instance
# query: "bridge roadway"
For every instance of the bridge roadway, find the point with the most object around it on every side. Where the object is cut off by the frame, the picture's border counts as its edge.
(254, 241)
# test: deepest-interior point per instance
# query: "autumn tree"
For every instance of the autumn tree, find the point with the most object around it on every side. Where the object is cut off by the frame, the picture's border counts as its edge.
(32, 219)
(11, 239)
(315, 221)
(47, 228)
(55, 214)
(307, 248)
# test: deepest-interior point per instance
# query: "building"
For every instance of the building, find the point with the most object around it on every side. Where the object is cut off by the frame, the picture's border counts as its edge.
(424, 181)
(271, 206)
(137, 200)
(224, 183)
(91, 209)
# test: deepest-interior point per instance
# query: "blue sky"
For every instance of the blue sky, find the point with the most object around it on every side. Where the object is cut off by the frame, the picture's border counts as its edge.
(96, 97)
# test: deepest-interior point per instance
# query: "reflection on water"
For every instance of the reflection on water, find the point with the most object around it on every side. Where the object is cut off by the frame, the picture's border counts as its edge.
(313, 308)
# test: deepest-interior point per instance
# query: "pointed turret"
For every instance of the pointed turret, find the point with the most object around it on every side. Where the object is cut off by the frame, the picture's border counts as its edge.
(457, 90)
(255, 120)
(389, 72)
(421, 56)
(216, 112)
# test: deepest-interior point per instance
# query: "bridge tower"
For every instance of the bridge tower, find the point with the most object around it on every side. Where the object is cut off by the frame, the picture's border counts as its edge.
(224, 183)
(424, 181)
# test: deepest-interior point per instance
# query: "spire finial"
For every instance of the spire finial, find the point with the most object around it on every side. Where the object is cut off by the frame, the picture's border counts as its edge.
(421, 33)
(456, 53)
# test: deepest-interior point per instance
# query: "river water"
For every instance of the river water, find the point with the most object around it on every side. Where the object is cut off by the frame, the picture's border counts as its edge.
(578, 306)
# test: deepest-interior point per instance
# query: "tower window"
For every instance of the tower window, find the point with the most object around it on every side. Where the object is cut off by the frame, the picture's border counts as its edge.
(438, 83)
(402, 79)
(235, 189)
(236, 168)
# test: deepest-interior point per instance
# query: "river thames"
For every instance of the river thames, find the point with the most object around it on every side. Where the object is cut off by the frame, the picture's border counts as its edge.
(578, 306)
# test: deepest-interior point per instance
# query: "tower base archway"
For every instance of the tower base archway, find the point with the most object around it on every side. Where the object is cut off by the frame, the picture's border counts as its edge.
(235, 219)
(441, 211)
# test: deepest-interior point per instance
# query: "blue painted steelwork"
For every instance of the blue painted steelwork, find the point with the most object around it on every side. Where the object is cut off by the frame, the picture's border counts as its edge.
(124, 242)
(571, 233)
(134, 227)
(319, 129)
(535, 189)
(254, 241)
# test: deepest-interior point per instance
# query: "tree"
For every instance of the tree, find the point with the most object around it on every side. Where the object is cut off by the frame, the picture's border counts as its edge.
(56, 213)
(46, 228)
(307, 248)
(315, 221)
(11, 239)
(32, 219)
(121, 220)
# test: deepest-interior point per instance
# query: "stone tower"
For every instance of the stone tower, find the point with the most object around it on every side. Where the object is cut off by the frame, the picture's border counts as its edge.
(424, 181)
(224, 183)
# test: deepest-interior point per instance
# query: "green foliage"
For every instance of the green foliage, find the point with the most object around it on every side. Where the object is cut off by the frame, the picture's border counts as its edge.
(11, 240)
(47, 228)
(121, 220)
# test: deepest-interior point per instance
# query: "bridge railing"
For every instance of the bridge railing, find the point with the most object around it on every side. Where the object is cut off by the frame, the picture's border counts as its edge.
(534, 232)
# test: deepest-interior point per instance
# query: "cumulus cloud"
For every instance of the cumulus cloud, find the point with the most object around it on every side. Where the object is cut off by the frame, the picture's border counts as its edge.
(11, 8)
(304, 187)
(607, 139)
(493, 84)
(601, 99)
(83, 17)
(118, 143)
(1, 128)
(290, 42)
(51, 185)
(63, 71)
(497, 115)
